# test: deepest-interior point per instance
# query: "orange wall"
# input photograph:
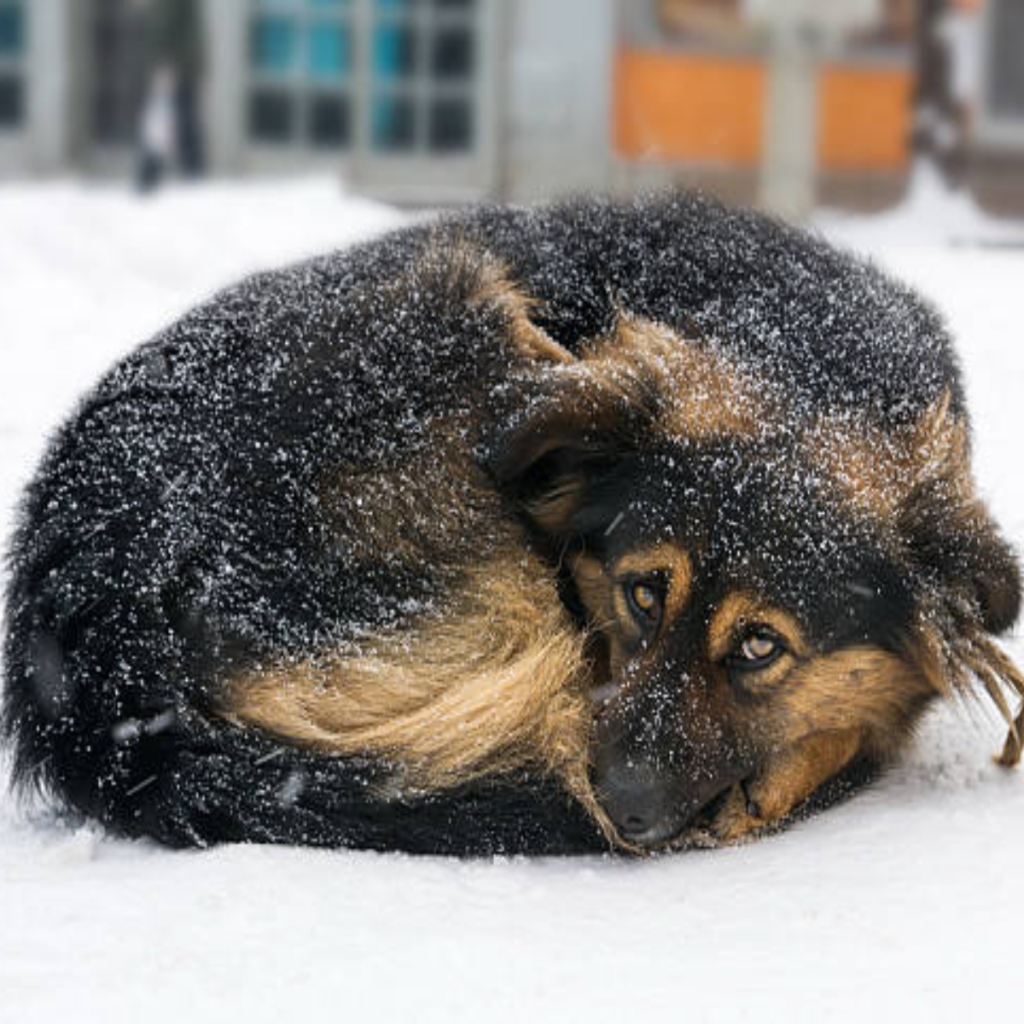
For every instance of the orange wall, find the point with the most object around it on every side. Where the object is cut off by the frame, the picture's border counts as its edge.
(864, 118)
(709, 108)
(688, 107)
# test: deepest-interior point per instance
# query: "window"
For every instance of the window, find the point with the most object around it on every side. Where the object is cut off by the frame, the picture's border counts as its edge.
(398, 75)
(423, 72)
(12, 64)
(300, 55)
(998, 114)
(1005, 93)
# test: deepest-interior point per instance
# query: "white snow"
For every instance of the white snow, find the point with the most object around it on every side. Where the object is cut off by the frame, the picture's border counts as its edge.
(903, 903)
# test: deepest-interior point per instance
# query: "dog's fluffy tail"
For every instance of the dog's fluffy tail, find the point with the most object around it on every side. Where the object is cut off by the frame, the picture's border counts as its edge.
(186, 778)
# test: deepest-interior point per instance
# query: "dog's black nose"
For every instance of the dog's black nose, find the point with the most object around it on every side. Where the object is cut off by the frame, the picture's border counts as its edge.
(638, 800)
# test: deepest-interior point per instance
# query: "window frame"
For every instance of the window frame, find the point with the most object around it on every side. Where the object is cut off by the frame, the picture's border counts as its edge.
(999, 131)
(300, 87)
(416, 174)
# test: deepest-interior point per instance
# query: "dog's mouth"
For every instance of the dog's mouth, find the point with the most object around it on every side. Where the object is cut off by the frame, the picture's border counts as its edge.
(705, 817)
(662, 836)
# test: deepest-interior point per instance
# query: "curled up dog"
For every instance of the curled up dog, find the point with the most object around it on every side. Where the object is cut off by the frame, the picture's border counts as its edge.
(524, 531)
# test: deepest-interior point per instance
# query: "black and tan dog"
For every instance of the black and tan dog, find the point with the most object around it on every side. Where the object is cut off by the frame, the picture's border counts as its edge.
(522, 531)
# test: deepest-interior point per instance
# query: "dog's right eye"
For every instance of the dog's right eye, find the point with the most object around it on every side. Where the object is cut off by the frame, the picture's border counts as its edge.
(758, 649)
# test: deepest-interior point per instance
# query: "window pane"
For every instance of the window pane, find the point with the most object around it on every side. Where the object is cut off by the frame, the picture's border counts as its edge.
(271, 115)
(395, 5)
(454, 5)
(11, 101)
(453, 53)
(451, 125)
(393, 123)
(394, 52)
(330, 121)
(12, 29)
(328, 4)
(329, 50)
(273, 44)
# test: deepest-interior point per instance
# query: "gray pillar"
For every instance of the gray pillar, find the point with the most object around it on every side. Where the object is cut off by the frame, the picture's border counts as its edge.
(798, 34)
(227, 25)
(789, 163)
(53, 68)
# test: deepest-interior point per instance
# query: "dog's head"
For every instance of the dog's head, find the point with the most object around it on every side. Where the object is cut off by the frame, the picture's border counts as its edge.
(752, 574)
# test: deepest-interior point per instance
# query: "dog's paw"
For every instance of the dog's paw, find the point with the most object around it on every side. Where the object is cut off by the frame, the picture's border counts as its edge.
(742, 815)
(768, 798)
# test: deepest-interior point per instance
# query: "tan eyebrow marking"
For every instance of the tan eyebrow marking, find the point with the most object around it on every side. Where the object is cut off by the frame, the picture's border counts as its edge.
(658, 558)
(740, 609)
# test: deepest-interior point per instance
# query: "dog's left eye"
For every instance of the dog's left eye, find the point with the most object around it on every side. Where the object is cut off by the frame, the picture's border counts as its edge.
(644, 598)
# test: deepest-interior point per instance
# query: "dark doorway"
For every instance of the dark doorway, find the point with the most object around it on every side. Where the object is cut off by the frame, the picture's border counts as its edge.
(118, 72)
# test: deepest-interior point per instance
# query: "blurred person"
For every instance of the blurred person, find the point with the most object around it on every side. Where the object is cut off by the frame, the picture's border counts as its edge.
(959, 29)
(170, 131)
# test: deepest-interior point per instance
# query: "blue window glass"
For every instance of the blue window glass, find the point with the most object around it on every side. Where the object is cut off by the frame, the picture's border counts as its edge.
(271, 116)
(273, 44)
(12, 29)
(393, 120)
(12, 101)
(328, 4)
(453, 53)
(329, 50)
(395, 5)
(330, 122)
(394, 52)
(450, 126)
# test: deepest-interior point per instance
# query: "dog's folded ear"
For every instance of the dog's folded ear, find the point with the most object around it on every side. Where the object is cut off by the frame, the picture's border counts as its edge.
(948, 531)
(574, 429)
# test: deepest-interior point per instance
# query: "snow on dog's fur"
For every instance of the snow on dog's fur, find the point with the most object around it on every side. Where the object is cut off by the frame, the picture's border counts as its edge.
(522, 531)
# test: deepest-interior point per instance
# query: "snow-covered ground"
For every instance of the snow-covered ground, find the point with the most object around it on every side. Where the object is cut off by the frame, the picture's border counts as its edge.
(903, 903)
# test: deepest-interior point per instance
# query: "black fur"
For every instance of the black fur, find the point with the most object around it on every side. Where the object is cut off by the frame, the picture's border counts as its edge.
(174, 530)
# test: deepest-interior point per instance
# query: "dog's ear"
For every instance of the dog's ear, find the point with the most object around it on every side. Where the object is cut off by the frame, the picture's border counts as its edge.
(949, 532)
(958, 544)
(579, 427)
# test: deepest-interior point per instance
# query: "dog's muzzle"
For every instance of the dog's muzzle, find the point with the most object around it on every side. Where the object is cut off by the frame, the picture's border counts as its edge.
(650, 805)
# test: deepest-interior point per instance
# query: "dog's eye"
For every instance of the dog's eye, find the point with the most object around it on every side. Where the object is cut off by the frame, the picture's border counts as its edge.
(644, 598)
(758, 650)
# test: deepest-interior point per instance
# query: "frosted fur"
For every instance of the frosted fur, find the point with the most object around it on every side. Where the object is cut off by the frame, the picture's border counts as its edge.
(179, 529)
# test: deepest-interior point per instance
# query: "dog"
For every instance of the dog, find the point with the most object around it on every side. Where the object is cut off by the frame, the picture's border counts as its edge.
(594, 525)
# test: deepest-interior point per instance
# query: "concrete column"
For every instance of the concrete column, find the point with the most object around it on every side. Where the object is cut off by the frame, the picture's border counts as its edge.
(559, 97)
(52, 68)
(798, 33)
(789, 165)
(227, 27)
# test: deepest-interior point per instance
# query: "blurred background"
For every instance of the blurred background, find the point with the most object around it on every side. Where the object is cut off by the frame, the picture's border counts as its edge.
(787, 103)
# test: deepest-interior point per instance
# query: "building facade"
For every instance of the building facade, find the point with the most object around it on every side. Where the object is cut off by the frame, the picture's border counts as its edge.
(412, 100)
(442, 100)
